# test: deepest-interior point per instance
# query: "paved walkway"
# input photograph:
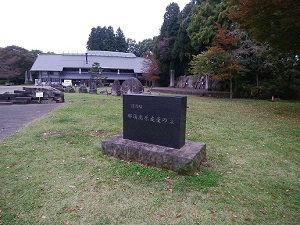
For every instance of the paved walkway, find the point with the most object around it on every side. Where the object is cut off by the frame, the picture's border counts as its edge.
(14, 117)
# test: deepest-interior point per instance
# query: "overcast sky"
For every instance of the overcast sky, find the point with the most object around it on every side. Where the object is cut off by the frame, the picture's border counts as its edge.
(64, 25)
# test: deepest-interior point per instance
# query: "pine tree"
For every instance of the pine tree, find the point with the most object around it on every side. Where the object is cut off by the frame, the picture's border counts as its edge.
(121, 44)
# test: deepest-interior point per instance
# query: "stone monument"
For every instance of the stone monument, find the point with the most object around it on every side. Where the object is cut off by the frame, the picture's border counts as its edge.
(116, 88)
(83, 89)
(93, 88)
(172, 78)
(154, 119)
(154, 134)
(132, 86)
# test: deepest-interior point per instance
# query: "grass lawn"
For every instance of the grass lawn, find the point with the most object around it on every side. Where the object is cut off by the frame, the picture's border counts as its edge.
(53, 171)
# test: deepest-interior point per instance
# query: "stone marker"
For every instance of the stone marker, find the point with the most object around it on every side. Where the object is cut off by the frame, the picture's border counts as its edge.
(70, 89)
(116, 88)
(132, 86)
(155, 119)
(154, 134)
(93, 88)
(83, 89)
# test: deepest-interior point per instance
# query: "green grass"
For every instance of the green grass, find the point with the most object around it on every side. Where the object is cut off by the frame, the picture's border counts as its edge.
(53, 171)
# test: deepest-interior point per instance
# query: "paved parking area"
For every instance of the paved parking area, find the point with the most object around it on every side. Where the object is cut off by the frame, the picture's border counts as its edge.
(14, 117)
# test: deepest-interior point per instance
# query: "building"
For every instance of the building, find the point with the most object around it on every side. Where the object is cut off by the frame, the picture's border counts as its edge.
(56, 68)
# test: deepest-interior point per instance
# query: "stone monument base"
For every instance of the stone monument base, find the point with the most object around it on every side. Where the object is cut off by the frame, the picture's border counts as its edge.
(185, 160)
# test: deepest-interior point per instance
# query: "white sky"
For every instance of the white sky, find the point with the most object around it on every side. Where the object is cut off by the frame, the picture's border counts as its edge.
(64, 25)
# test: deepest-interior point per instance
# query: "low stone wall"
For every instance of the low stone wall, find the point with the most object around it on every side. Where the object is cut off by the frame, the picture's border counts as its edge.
(191, 91)
(28, 96)
(185, 160)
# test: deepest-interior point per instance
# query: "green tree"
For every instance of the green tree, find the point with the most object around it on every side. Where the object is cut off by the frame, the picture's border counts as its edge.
(36, 52)
(110, 39)
(166, 39)
(95, 71)
(96, 74)
(102, 38)
(121, 44)
(182, 50)
(143, 46)
(170, 25)
(281, 77)
(96, 39)
(202, 28)
(276, 22)
(131, 43)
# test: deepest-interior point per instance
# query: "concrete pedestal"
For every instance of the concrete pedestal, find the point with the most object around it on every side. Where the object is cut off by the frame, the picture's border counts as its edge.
(185, 160)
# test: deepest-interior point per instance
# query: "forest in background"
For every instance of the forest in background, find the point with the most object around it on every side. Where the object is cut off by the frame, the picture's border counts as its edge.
(250, 46)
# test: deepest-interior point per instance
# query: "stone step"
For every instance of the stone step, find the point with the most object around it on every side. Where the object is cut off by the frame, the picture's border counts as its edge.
(5, 103)
(20, 101)
(23, 98)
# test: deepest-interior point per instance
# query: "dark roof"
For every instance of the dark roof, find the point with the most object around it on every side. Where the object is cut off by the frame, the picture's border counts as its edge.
(112, 60)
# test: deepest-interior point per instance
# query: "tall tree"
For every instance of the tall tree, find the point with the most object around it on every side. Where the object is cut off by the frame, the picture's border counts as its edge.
(276, 22)
(110, 39)
(182, 50)
(166, 39)
(102, 38)
(170, 25)
(121, 44)
(96, 38)
(202, 28)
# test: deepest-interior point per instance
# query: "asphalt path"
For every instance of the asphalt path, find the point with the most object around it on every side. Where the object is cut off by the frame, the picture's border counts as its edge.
(14, 117)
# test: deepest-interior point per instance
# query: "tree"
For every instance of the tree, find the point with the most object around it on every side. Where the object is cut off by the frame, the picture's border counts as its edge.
(36, 52)
(102, 39)
(96, 39)
(151, 69)
(143, 46)
(182, 50)
(14, 62)
(110, 39)
(219, 60)
(165, 41)
(276, 22)
(121, 44)
(131, 45)
(202, 28)
(170, 25)
(252, 55)
(95, 71)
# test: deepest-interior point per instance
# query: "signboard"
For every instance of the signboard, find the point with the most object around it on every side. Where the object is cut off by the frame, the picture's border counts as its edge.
(153, 119)
(39, 94)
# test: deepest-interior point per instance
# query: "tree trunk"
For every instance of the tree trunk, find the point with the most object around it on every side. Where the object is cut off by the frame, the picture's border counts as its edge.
(231, 88)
